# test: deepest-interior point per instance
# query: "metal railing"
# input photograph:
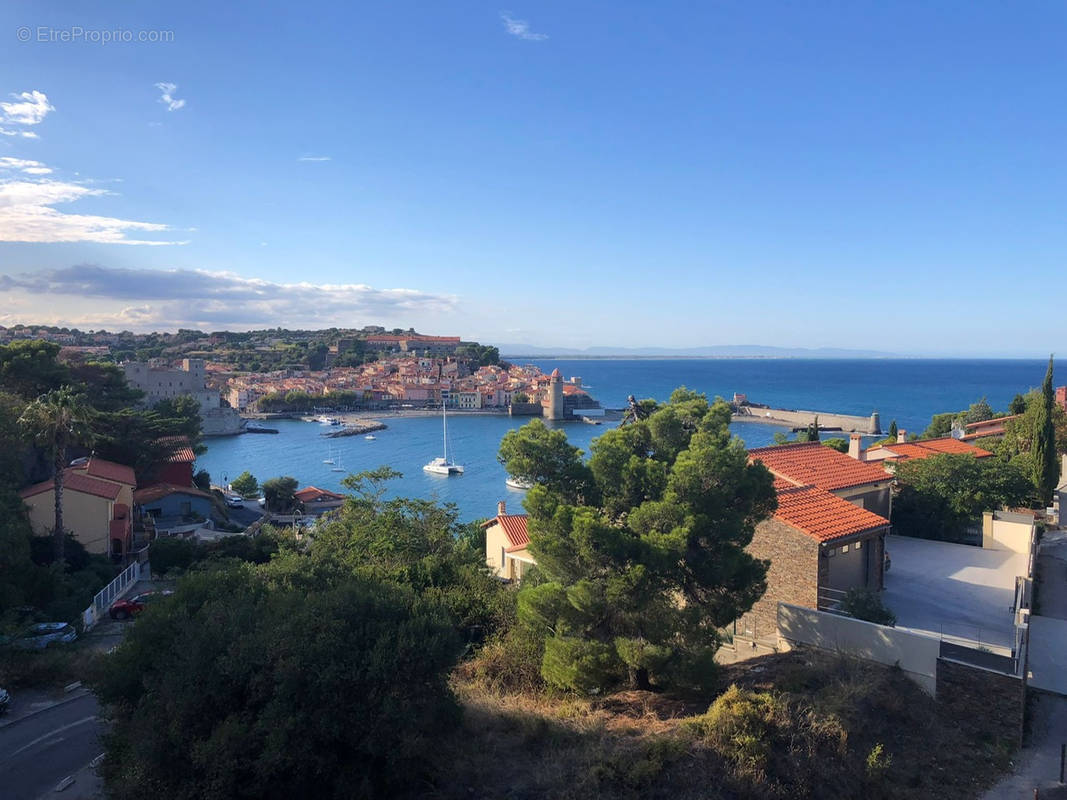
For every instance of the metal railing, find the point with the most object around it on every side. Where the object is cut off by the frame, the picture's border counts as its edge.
(110, 593)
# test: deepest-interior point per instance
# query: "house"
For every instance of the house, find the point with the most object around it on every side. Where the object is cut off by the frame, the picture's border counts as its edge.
(174, 509)
(987, 427)
(819, 546)
(177, 468)
(319, 501)
(97, 499)
(845, 476)
(903, 450)
(507, 544)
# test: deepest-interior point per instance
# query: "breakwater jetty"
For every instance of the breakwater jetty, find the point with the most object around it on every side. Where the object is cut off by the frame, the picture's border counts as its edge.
(356, 429)
(797, 418)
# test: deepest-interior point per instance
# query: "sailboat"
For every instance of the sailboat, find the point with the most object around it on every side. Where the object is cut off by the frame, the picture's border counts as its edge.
(441, 465)
(329, 457)
(337, 467)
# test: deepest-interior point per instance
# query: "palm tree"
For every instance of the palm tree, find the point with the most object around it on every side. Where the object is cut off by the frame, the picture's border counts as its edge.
(53, 421)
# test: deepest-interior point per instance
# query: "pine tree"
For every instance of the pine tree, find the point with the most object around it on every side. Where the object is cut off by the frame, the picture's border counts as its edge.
(1046, 468)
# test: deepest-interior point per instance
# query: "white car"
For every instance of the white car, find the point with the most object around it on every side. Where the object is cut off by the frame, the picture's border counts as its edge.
(235, 501)
(39, 636)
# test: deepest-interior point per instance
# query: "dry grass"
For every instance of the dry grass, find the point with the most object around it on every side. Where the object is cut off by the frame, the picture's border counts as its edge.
(795, 725)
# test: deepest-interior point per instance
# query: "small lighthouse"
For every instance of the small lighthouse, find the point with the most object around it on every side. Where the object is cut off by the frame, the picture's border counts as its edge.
(555, 395)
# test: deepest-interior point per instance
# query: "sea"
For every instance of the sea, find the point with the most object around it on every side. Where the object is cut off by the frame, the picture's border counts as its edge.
(907, 390)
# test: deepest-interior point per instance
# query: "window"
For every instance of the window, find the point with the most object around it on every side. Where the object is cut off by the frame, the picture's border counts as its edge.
(859, 545)
(831, 552)
(502, 557)
(844, 549)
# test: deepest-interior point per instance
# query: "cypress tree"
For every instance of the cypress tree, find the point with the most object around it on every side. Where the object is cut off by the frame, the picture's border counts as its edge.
(892, 434)
(1046, 468)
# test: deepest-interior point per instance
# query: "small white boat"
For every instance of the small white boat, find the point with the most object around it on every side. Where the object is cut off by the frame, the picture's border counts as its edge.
(441, 465)
(337, 467)
(370, 437)
(518, 483)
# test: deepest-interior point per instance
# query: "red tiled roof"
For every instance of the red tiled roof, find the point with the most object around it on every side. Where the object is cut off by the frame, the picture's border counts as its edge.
(150, 494)
(781, 483)
(109, 471)
(822, 515)
(931, 447)
(312, 493)
(514, 526)
(181, 450)
(815, 464)
(991, 422)
(76, 481)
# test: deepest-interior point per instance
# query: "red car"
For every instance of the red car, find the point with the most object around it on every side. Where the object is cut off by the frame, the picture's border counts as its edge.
(128, 606)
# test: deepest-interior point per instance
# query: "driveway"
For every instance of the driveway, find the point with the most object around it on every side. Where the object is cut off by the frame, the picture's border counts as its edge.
(953, 590)
(1038, 764)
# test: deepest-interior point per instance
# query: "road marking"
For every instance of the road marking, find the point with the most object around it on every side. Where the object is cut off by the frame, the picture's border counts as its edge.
(52, 733)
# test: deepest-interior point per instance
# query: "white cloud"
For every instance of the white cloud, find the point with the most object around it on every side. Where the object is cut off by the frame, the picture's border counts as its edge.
(23, 134)
(167, 98)
(314, 158)
(29, 108)
(24, 165)
(521, 29)
(162, 299)
(26, 213)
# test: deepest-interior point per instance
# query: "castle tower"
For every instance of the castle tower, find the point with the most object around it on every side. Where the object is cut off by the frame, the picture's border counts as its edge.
(555, 395)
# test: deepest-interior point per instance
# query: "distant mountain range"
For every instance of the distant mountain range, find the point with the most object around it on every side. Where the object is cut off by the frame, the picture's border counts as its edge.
(716, 351)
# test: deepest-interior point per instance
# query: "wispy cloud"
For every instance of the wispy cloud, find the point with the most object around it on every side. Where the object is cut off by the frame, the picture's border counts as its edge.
(314, 158)
(7, 163)
(167, 96)
(27, 108)
(521, 28)
(27, 213)
(147, 298)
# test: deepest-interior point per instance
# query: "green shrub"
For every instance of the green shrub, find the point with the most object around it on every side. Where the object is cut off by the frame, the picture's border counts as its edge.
(740, 725)
(867, 605)
(878, 763)
(244, 685)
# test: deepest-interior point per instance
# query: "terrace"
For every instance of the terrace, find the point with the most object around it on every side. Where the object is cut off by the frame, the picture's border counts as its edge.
(957, 592)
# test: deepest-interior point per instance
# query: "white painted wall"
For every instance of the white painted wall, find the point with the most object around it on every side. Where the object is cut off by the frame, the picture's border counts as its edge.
(1003, 530)
(916, 653)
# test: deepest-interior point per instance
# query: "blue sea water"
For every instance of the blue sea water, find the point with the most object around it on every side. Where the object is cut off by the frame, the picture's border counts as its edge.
(908, 390)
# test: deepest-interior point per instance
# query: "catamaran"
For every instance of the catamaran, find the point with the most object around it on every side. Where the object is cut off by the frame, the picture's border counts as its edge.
(441, 465)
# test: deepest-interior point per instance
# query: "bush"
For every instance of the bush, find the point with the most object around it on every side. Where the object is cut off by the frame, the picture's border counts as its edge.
(867, 605)
(169, 553)
(243, 685)
(878, 763)
(739, 724)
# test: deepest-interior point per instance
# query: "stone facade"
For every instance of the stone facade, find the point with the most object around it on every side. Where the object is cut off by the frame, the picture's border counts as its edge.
(792, 577)
(991, 700)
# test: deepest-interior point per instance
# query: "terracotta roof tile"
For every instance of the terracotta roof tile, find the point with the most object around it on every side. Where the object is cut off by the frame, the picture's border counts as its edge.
(514, 526)
(152, 493)
(110, 471)
(932, 447)
(181, 451)
(815, 464)
(76, 481)
(822, 515)
(311, 493)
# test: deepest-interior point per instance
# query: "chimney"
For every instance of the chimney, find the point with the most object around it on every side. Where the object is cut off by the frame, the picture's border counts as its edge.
(902, 436)
(855, 447)
(501, 508)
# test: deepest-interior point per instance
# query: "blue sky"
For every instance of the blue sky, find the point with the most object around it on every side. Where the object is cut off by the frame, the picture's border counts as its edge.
(873, 175)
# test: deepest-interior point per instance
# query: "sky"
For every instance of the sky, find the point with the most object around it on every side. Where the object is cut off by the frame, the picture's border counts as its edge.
(886, 176)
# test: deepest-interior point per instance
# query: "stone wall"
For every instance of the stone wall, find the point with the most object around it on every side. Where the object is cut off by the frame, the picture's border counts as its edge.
(791, 578)
(989, 701)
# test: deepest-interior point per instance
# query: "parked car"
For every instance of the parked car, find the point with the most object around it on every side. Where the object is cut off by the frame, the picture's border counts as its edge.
(129, 606)
(235, 501)
(40, 635)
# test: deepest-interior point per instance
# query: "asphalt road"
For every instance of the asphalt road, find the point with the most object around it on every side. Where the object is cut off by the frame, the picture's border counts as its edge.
(37, 752)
